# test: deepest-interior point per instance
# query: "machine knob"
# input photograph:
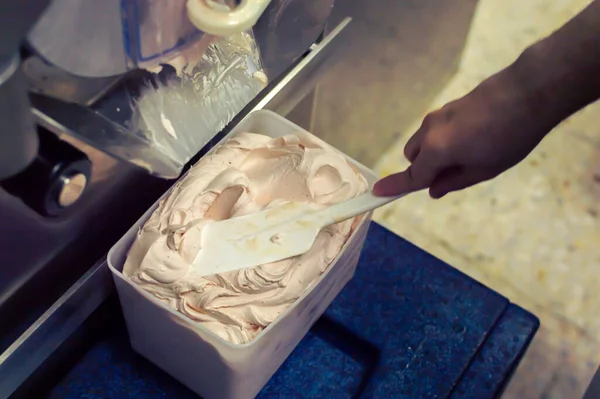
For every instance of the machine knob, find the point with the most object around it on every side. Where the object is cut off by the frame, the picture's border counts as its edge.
(55, 180)
(71, 190)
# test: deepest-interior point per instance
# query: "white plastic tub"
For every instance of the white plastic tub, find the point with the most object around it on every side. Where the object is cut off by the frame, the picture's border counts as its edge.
(205, 363)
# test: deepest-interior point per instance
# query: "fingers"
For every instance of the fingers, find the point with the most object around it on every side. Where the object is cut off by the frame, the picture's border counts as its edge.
(429, 154)
(458, 179)
(419, 175)
(413, 145)
(393, 185)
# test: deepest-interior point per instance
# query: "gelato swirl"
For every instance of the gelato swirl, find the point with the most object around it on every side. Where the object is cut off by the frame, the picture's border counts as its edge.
(247, 174)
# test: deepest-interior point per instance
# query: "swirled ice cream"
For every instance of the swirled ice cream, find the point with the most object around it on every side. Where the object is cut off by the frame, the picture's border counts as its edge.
(247, 174)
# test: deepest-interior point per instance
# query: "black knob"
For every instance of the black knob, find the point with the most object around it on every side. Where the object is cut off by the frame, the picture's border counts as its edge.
(56, 178)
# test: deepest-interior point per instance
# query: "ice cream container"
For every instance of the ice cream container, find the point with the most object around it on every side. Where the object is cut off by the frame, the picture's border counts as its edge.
(199, 359)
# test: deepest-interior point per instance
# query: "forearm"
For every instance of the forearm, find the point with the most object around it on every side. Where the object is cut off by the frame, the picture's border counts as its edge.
(560, 74)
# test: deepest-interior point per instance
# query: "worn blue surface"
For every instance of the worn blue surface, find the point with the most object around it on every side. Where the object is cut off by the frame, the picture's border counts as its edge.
(407, 326)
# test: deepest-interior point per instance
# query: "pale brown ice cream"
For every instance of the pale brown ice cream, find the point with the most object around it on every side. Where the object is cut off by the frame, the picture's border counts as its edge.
(247, 174)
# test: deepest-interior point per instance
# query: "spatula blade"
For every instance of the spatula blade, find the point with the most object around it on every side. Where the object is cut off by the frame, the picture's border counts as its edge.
(256, 239)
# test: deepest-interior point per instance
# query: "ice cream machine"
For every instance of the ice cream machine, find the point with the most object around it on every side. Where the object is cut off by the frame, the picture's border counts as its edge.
(61, 58)
(91, 93)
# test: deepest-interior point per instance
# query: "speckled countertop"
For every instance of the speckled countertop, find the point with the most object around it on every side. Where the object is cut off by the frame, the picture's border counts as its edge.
(533, 233)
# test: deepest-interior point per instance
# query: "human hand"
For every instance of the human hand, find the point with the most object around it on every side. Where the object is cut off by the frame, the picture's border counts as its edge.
(470, 140)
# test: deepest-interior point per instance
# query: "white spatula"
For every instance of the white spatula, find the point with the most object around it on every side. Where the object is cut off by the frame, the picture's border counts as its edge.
(272, 235)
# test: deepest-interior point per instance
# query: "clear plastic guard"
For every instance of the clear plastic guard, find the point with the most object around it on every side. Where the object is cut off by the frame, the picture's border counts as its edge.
(166, 118)
(159, 29)
(154, 29)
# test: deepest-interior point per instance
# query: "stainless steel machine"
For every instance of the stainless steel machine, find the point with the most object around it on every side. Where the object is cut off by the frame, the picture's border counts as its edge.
(70, 177)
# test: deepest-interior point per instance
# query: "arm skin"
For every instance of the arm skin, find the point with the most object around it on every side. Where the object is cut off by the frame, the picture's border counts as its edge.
(495, 126)
(561, 74)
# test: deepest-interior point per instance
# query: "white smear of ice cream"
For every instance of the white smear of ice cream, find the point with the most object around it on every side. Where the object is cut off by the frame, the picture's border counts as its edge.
(261, 77)
(168, 125)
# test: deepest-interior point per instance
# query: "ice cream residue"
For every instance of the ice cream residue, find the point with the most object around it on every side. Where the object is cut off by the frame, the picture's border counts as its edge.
(168, 125)
(247, 174)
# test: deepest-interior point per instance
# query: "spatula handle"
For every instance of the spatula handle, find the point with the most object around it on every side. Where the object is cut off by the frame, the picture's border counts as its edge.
(355, 206)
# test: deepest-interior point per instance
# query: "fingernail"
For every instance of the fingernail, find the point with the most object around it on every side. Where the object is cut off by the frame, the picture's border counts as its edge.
(377, 188)
(381, 189)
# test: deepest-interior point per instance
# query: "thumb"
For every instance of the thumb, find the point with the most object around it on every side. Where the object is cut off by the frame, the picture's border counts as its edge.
(419, 175)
